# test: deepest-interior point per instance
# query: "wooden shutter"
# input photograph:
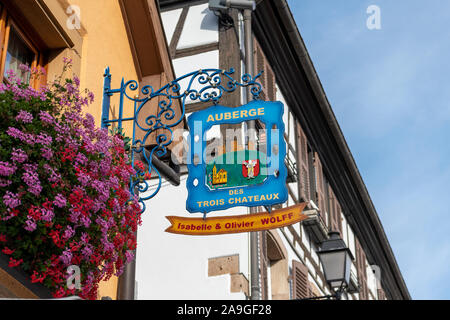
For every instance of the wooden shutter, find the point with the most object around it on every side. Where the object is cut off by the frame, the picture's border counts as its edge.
(271, 89)
(267, 79)
(361, 270)
(331, 214)
(303, 167)
(335, 223)
(301, 287)
(320, 187)
(338, 218)
(312, 175)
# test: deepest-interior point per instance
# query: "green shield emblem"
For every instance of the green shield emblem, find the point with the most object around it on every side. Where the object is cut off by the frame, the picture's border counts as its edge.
(236, 169)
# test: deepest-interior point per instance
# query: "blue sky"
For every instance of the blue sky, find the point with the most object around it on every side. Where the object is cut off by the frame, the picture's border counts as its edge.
(389, 89)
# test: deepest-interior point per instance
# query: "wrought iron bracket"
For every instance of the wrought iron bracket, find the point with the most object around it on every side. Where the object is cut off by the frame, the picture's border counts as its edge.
(204, 85)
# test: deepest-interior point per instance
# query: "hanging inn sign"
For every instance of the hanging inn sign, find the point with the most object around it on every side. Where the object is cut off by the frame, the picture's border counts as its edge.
(243, 165)
(234, 175)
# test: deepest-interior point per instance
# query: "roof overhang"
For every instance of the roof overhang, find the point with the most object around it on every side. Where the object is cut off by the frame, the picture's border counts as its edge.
(146, 37)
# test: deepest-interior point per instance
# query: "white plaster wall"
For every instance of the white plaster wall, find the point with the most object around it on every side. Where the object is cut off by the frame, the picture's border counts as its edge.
(214, 132)
(171, 266)
(201, 27)
(344, 234)
(291, 130)
(185, 65)
(351, 241)
(289, 236)
(305, 238)
(294, 189)
(189, 64)
(314, 254)
(289, 202)
(371, 281)
(169, 21)
(280, 98)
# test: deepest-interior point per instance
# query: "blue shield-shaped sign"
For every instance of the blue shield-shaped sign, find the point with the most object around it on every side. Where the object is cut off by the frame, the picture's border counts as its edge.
(239, 167)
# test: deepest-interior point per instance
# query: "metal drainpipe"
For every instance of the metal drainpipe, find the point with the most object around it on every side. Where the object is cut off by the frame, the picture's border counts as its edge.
(254, 259)
(126, 286)
(126, 283)
(127, 280)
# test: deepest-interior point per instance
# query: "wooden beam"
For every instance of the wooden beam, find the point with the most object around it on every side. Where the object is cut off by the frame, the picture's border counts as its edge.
(197, 106)
(230, 57)
(177, 32)
(196, 50)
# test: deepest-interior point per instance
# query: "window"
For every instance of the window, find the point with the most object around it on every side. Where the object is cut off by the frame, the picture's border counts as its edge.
(17, 54)
(17, 50)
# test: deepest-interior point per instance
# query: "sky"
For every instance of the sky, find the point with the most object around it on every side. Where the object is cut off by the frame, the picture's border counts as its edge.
(389, 89)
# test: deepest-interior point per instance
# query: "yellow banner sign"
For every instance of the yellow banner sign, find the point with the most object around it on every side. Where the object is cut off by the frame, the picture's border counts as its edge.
(236, 224)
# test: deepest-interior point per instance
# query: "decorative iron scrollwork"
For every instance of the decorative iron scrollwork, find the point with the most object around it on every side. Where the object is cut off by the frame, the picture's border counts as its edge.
(204, 85)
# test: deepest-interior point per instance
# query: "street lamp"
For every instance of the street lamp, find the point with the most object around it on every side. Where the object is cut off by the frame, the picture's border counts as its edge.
(336, 260)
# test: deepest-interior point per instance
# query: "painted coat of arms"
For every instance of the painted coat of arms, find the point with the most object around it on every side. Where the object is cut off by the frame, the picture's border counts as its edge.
(250, 169)
(248, 176)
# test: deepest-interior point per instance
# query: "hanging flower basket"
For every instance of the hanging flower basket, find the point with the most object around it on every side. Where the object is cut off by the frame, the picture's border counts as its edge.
(64, 188)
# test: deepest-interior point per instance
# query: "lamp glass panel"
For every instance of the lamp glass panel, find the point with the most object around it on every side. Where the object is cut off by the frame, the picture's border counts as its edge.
(334, 264)
(336, 284)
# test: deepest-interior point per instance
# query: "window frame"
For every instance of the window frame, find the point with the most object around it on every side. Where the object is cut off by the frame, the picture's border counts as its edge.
(7, 22)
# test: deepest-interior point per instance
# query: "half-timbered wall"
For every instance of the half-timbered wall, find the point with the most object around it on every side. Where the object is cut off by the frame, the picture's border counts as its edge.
(197, 40)
(312, 184)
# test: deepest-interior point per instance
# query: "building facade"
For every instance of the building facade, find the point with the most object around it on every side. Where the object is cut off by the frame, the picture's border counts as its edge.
(153, 42)
(321, 170)
(124, 35)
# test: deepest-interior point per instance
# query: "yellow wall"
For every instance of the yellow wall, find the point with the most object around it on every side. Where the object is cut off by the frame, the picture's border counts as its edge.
(104, 43)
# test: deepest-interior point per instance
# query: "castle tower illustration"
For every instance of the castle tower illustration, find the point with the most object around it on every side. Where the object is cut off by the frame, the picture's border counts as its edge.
(219, 177)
